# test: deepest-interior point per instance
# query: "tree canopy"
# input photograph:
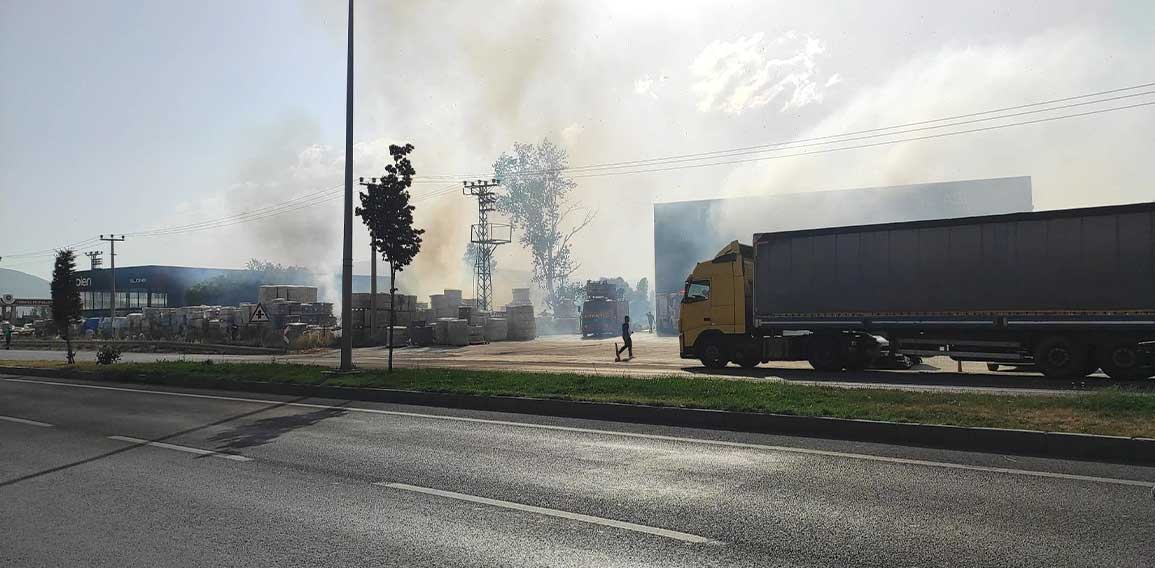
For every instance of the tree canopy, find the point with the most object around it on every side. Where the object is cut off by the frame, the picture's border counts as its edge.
(537, 199)
(66, 304)
(386, 211)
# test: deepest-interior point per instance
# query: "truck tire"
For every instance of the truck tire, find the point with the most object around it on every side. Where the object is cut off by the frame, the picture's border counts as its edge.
(826, 353)
(713, 353)
(746, 355)
(1060, 357)
(1122, 362)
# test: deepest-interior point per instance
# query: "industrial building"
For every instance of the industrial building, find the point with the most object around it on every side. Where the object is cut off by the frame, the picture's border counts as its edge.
(689, 232)
(139, 287)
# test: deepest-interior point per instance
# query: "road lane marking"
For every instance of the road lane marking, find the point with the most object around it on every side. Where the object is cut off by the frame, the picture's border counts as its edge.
(685, 537)
(25, 421)
(187, 449)
(640, 435)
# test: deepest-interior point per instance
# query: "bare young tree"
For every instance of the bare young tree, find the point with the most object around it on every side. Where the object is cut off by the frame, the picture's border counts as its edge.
(537, 201)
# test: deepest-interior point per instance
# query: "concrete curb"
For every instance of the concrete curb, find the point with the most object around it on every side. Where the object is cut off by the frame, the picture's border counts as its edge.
(173, 348)
(1085, 447)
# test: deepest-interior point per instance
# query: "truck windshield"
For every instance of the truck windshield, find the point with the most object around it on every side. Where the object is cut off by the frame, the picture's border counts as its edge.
(697, 291)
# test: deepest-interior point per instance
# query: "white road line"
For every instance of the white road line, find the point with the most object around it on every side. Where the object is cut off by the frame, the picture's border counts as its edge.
(686, 537)
(723, 443)
(196, 451)
(25, 421)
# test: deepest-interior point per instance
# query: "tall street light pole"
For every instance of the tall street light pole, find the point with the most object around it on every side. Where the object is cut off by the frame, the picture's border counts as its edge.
(347, 259)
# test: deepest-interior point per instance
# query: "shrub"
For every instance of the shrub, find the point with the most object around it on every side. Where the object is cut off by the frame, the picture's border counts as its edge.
(107, 355)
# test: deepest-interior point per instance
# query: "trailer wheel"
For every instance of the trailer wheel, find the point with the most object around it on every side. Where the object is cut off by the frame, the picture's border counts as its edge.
(1061, 358)
(746, 356)
(1122, 362)
(712, 353)
(827, 353)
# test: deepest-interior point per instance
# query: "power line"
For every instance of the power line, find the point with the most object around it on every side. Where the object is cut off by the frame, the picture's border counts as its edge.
(871, 145)
(796, 144)
(831, 137)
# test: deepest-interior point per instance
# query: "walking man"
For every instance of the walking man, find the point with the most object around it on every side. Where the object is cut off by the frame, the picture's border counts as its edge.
(627, 342)
(650, 316)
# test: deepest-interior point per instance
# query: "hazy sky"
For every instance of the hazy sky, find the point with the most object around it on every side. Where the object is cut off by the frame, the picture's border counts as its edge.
(133, 115)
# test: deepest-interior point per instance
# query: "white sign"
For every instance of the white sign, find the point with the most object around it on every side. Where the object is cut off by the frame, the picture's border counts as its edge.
(259, 315)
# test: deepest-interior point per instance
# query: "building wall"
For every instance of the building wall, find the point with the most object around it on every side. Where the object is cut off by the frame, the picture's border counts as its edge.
(166, 286)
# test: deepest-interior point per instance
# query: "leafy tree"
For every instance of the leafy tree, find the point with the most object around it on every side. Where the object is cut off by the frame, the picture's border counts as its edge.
(537, 200)
(386, 211)
(234, 288)
(272, 268)
(65, 297)
(470, 256)
(640, 301)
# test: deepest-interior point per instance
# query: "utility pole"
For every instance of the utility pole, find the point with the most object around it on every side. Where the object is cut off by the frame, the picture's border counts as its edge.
(94, 260)
(112, 240)
(347, 252)
(485, 237)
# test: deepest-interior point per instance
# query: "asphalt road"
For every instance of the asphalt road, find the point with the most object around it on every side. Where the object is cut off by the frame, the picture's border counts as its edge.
(658, 356)
(124, 475)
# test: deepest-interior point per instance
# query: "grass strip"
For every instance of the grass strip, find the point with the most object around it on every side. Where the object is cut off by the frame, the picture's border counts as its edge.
(1109, 412)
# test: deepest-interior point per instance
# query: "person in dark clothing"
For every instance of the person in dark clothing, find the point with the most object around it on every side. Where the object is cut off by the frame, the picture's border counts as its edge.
(627, 343)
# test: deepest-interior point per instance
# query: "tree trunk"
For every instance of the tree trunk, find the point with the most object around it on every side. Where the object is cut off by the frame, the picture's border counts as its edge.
(68, 347)
(392, 311)
(373, 295)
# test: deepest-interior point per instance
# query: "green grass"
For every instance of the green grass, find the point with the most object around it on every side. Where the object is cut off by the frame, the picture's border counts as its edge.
(1111, 412)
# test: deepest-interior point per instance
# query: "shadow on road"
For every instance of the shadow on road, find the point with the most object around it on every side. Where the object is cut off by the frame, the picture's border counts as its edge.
(266, 430)
(922, 378)
(109, 454)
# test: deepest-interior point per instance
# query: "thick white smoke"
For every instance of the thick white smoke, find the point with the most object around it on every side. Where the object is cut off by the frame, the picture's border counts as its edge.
(462, 82)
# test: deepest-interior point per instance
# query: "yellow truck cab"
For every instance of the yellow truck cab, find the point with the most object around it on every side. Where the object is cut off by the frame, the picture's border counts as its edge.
(715, 324)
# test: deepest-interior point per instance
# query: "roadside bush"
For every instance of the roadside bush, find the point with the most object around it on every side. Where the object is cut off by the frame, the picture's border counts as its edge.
(107, 355)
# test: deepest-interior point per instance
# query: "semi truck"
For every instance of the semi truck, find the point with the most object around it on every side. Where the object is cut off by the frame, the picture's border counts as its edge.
(1067, 292)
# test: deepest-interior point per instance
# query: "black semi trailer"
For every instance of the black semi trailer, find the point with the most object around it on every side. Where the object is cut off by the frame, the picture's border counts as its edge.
(1069, 291)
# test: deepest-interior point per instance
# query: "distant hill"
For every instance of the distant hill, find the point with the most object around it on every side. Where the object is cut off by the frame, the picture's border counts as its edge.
(23, 285)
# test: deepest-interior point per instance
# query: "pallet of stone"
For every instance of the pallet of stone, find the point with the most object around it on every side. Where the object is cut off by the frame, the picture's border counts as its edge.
(458, 335)
(496, 329)
(451, 331)
(476, 335)
(521, 324)
(452, 298)
(421, 335)
(293, 293)
(520, 297)
(400, 336)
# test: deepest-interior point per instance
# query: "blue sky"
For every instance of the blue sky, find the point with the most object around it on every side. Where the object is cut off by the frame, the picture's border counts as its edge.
(112, 109)
(127, 115)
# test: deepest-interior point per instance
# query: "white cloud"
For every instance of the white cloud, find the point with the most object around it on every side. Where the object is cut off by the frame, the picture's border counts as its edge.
(750, 72)
(570, 134)
(645, 87)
